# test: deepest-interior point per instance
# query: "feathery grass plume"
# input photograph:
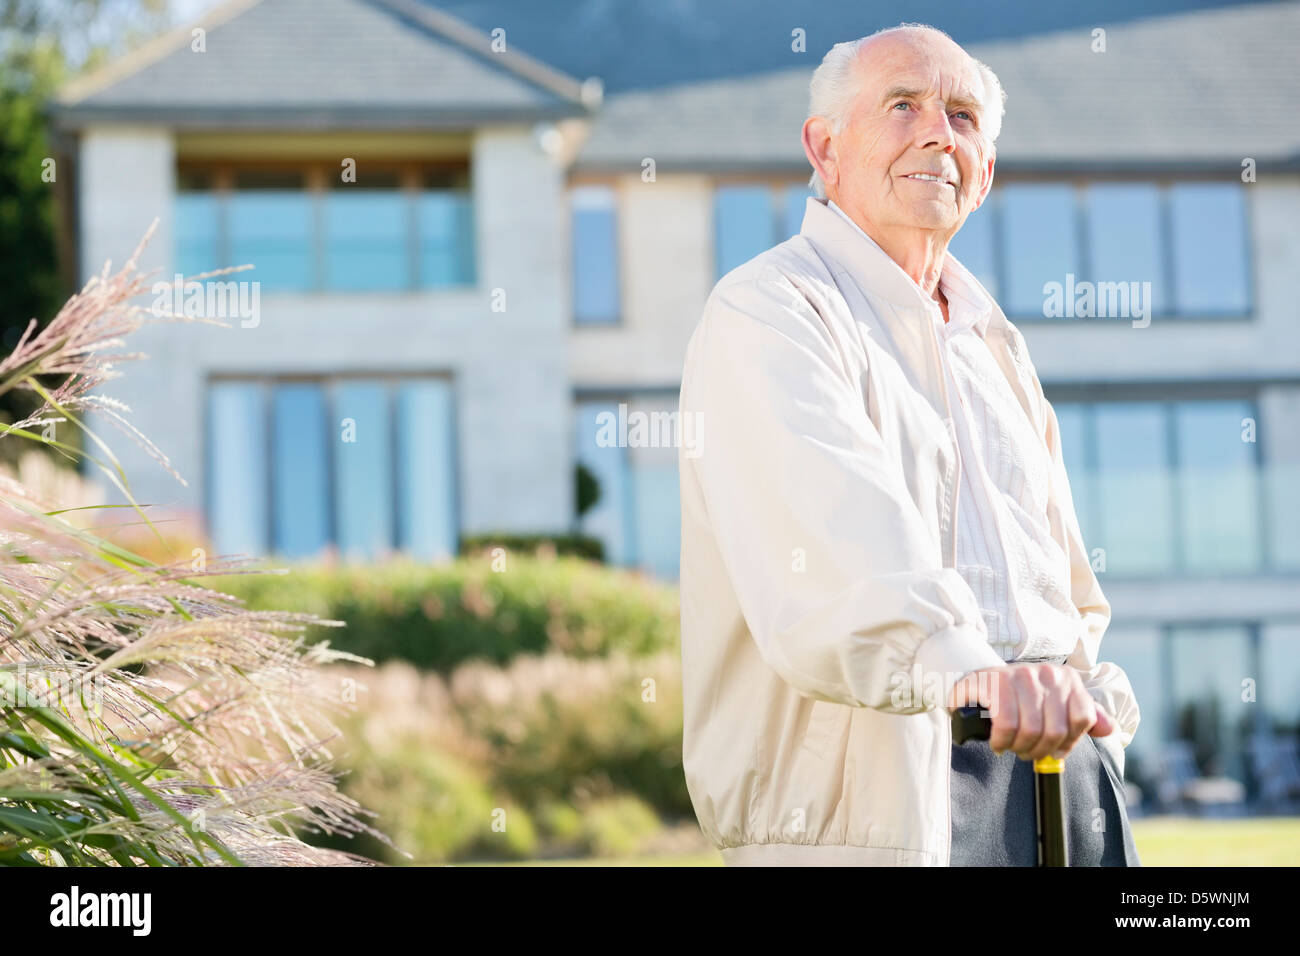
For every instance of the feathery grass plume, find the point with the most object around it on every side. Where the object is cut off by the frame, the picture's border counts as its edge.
(145, 719)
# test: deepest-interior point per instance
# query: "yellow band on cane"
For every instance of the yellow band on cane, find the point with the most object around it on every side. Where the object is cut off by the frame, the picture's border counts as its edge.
(1049, 764)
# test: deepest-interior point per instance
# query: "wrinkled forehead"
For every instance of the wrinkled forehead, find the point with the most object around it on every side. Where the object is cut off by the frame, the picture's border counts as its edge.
(921, 61)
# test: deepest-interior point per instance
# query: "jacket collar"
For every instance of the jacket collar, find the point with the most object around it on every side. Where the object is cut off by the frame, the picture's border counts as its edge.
(880, 275)
(848, 250)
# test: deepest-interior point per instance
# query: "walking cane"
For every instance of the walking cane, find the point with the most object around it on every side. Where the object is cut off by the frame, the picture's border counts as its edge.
(1049, 795)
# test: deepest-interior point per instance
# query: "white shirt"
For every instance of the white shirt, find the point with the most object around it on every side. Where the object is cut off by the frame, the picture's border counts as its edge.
(1005, 550)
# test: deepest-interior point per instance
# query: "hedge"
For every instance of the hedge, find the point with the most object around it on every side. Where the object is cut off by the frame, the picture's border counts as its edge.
(437, 616)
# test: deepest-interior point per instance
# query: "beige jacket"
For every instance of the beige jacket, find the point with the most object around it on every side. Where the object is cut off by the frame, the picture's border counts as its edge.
(823, 623)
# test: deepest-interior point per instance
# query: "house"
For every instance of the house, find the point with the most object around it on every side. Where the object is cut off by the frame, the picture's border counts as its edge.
(507, 285)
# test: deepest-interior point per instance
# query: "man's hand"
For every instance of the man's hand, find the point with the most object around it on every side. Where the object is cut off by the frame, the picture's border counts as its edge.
(1037, 709)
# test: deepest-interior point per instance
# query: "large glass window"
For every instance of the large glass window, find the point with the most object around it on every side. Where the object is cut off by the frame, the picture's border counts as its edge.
(1040, 229)
(1279, 677)
(745, 223)
(974, 246)
(366, 235)
(363, 468)
(1137, 651)
(794, 203)
(1166, 486)
(444, 216)
(608, 519)
(1211, 273)
(1078, 466)
(272, 226)
(1209, 665)
(749, 218)
(1102, 241)
(237, 467)
(1134, 486)
(630, 445)
(1124, 238)
(198, 237)
(596, 291)
(1218, 498)
(367, 465)
(426, 469)
(385, 232)
(300, 448)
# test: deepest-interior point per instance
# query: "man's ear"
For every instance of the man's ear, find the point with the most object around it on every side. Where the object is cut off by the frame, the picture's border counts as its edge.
(820, 149)
(986, 177)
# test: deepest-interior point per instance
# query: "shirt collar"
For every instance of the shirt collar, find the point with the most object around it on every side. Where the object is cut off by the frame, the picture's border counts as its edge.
(969, 306)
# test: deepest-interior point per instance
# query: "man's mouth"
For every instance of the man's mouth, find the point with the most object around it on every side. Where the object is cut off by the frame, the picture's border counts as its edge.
(931, 178)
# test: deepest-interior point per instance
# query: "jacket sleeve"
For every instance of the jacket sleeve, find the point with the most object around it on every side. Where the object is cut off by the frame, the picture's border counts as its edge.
(839, 580)
(1104, 680)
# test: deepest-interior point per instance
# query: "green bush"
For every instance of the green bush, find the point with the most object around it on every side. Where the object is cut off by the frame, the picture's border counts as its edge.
(440, 616)
(576, 545)
(618, 826)
(555, 741)
(556, 728)
(435, 807)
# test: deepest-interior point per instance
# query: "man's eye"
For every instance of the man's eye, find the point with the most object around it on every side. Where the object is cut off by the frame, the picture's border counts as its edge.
(902, 103)
(965, 113)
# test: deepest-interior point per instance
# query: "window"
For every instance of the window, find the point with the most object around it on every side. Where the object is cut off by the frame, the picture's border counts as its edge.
(366, 227)
(1219, 500)
(974, 247)
(595, 255)
(271, 225)
(1279, 676)
(630, 445)
(1101, 242)
(1039, 229)
(1134, 487)
(198, 239)
(1188, 679)
(751, 218)
(1124, 237)
(1208, 665)
(1208, 223)
(444, 229)
(1166, 486)
(364, 465)
(1138, 652)
(300, 512)
(393, 229)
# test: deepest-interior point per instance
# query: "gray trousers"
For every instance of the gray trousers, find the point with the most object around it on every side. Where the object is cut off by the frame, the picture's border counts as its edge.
(993, 812)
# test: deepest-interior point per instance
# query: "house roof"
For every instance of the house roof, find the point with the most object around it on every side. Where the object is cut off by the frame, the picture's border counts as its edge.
(312, 64)
(1192, 90)
(644, 45)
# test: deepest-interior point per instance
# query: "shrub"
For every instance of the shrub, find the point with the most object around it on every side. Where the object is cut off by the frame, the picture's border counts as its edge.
(440, 616)
(576, 545)
(618, 826)
(145, 719)
(554, 741)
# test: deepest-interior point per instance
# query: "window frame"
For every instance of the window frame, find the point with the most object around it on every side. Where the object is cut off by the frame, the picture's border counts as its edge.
(320, 177)
(776, 184)
(1167, 395)
(265, 384)
(1164, 184)
(619, 319)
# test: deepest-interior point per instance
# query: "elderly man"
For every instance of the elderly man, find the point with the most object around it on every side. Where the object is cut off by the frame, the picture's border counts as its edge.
(877, 526)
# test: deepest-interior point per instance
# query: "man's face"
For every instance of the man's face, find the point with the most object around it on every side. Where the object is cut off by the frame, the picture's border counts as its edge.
(918, 111)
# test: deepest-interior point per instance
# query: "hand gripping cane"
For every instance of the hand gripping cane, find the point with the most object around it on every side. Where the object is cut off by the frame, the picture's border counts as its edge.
(1049, 794)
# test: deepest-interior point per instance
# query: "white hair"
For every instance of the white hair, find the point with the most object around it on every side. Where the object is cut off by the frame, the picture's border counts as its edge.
(834, 86)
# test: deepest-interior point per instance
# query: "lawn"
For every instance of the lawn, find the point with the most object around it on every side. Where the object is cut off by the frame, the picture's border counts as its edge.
(1161, 841)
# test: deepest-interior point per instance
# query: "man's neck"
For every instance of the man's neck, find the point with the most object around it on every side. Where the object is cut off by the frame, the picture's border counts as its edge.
(918, 252)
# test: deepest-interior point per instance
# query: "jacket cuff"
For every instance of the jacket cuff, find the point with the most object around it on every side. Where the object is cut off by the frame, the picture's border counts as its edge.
(946, 656)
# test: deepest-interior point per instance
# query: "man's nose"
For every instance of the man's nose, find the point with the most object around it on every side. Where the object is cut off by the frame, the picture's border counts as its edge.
(936, 131)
